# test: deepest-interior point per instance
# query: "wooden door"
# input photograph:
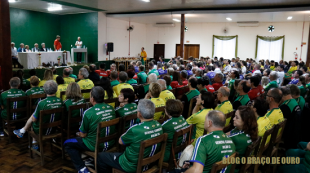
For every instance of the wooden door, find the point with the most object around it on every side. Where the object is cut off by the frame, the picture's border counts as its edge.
(189, 50)
(159, 50)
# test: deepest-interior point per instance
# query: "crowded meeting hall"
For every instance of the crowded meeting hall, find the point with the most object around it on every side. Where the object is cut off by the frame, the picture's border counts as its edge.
(151, 86)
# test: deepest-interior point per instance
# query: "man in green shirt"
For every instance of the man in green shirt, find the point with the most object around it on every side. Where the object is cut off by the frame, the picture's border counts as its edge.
(243, 99)
(186, 98)
(147, 129)
(114, 76)
(273, 76)
(295, 92)
(71, 73)
(212, 147)
(152, 69)
(34, 82)
(230, 83)
(142, 77)
(130, 80)
(100, 112)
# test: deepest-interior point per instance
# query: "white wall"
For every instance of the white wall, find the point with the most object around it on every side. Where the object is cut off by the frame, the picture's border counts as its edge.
(114, 30)
(201, 33)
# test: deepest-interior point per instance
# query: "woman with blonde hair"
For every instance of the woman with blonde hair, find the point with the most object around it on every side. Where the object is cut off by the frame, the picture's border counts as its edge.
(87, 68)
(48, 75)
(153, 95)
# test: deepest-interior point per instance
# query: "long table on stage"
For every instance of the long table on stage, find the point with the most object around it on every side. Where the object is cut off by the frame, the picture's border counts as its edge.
(30, 60)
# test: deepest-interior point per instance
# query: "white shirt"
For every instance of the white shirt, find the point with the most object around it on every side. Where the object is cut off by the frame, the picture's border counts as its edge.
(243, 69)
(79, 43)
(280, 77)
(256, 72)
(227, 68)
(217, 70)
(14, 52)
(232, 63)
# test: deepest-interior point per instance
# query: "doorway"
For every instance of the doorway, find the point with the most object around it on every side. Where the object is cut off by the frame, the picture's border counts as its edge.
(159, 50)
(189, 50)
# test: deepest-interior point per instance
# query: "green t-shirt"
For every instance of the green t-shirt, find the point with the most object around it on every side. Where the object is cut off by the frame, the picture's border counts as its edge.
(131, 81)
(33, 91)
(211, 148)
(142, 77)
(3, 101)
(114, 83)
(51, 102)
(146, 88)
(73, 76)
(26, 82)
(241, 100)
(169, 87)
(303, 91)
(133, 138)
(241, 140)
(153, 71)
(191, 94)
(74, 113)
(301, 102)
(170, 127)
(272, 84)
(231, 87)
(98, 113)
(127, 109)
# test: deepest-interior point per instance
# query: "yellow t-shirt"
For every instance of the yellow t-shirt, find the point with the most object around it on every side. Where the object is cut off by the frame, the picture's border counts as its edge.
(68, 80)
(263, 124)
(61, 87)
(117, 89)
(165, 95)
(158, 103)
(290, 71)
(144, 55)
(55, 76)
(225, 107)
(275, 116)
(42, 82)
(30, 77)
(86, 84)
(106, 97)
(199, 119)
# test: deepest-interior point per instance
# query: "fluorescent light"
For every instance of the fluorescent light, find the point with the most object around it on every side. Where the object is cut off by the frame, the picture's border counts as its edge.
(146, 0)
(177, 20)
(12, 1)
(228, 19)
(289, 17)
(54, 7)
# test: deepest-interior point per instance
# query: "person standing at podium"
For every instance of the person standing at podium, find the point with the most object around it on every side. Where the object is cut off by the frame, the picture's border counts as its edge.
(57, 44)
(78, 45)
(143, 56)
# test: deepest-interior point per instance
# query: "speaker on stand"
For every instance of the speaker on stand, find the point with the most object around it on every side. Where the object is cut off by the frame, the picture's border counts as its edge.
(110, 48)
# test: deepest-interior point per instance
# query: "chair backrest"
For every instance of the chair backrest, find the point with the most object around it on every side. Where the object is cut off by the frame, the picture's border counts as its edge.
(11, 111)
(113, 136)
(156, 157)
(86, 91)
(49, 112)
(136, 88)
(97, 83)
(278, 132)
(114, 100)
(249, 152)
(230, 115)
(125, 119)
(192, 104)
(75, 119)
(161, 109)
(180, 91)
(220, 165)
(173, 91)
(32, 107)
(62, 93)
(264, 143)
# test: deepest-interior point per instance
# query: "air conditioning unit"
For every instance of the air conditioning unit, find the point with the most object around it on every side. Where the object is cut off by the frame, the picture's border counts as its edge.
(248, 24)
(164, 25)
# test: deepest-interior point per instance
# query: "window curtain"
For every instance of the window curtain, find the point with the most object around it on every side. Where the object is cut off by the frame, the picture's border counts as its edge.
(225, 46)
(271, 48)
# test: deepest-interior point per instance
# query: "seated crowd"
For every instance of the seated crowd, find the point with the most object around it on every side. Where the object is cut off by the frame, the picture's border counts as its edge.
(199, 94)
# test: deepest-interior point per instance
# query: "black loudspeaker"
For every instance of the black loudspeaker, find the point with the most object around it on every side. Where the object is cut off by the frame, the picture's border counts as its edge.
(110, 47)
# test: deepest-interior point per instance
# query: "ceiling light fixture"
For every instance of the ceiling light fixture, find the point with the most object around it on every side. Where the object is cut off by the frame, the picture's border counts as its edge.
(54, 7)
(12, 1)
(229, 19)
(146, 0)
(176, 20)
(289, 17)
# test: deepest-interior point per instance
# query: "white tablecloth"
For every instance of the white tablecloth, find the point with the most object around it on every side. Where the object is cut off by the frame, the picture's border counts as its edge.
(30, 60)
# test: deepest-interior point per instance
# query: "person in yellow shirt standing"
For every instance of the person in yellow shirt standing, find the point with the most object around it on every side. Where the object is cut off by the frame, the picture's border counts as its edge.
(61, 87)
(204, 105)
(84, 82)
(143, 56)
(66, 77)
(122, 78)
(274, 114)
(153, 95)
(225, 106)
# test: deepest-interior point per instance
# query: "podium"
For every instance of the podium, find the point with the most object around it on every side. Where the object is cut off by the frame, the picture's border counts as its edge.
(75, 50)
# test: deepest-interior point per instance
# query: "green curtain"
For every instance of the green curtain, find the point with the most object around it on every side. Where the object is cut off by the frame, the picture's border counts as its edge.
(225, 38)
(270, 39)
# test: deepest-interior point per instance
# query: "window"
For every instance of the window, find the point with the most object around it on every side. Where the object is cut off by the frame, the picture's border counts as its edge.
(271, 48)
(225, 46)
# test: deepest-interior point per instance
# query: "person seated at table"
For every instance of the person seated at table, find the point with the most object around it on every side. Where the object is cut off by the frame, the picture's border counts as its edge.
(25, 84)
(48, 75)
(131, 81)
(54, 70)
(153, 95)
(34, 82)
(71, 73)
(73, 97)
(66, 76)
(204, 104)
(127, 105)
(84, 82)
(43, 49)
(100, 112)
(27, 48)
(176, 121)
(101, 72)
(176, 81)
(61, 87)
(122, 78)
(114, 77)
(51, 102)
(33, 72)
(183, 76)
(14, 55)
(142, 77)
(36, 48)
(93, 76)
(21, 48)
(108, 90)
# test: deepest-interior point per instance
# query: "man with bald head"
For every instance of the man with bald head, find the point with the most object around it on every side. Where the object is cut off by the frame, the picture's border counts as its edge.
(243, 99)
(66, 74)
(210, 148)
(225, 106)
(273, 98)
(165, 94)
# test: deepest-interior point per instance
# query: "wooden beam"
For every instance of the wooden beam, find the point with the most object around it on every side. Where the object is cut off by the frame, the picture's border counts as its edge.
(308, 51)
(182, 35)
(5, 45)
